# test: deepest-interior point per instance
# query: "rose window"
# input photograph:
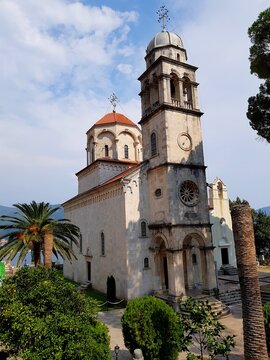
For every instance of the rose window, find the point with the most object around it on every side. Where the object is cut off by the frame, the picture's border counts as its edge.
(189, 193)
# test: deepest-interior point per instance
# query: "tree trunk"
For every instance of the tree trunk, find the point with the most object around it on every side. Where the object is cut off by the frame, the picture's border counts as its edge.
(36, 250)
(253, 322)
(48, 248)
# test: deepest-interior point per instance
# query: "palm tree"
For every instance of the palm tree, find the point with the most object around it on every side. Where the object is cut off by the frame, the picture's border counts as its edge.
(34, 228)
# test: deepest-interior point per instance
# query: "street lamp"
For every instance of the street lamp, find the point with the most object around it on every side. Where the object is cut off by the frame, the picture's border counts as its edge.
(116, 350)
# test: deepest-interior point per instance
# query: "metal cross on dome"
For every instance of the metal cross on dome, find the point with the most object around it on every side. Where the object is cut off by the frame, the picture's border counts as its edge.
(163, 16)
(113, 100)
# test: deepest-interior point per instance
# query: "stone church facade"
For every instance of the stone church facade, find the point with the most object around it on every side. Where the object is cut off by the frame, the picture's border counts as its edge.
(142, 203)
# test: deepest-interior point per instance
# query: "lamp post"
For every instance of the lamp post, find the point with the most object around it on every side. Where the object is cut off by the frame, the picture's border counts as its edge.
(116, 350)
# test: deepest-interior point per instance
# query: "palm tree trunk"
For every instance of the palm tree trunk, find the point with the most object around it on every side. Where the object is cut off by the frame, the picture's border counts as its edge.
(48, 248)
(36, 250)
(253, 322)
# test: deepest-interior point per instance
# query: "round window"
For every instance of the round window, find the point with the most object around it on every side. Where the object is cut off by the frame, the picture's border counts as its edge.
(189, 193)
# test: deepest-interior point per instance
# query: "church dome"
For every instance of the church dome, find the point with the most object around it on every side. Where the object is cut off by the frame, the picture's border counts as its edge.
(164, 38)
(115, 118)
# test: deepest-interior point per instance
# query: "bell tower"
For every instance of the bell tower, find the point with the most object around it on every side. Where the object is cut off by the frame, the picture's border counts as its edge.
(172, 147)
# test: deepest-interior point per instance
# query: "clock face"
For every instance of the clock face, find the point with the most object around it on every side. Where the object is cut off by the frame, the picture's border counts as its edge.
(184, 141)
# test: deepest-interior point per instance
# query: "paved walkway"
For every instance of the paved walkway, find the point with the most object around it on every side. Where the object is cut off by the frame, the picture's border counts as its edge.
(233, 324)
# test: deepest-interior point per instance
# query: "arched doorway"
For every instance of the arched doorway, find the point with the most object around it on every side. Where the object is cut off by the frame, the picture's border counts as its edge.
(194, 261)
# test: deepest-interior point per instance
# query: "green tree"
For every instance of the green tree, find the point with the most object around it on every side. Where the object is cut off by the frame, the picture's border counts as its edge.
(33, 227)
(237, 201)
(203, 330)
(259, 106)
(259, 35)
(261, 223)
(153, 326)
(42, 317)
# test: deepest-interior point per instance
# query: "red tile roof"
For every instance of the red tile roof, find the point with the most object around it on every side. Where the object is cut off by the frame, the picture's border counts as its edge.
(115, 117)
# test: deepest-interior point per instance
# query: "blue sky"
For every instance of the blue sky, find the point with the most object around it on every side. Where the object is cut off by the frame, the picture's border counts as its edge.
(61, 60)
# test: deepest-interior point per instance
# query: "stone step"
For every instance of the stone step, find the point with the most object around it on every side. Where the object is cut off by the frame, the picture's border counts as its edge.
(230, 297)
(84, 286)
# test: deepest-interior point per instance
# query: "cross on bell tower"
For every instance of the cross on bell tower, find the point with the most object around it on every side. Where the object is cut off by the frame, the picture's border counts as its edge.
(163, 16)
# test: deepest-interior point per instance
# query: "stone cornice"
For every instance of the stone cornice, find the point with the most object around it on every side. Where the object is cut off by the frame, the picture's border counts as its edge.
(188, 166)
(156, 226)
(167, 106)
(168, 60)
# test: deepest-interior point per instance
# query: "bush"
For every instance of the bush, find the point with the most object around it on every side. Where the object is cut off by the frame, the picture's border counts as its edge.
(266, 311)
(42, 317)
(154, 327)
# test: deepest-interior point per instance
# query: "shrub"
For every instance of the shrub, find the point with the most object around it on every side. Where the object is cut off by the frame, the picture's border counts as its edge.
(42, 317)
(154, 327)
(266, 311)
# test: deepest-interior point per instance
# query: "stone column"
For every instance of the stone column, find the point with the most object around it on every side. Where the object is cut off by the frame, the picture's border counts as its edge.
(253, 323)
(176, 274)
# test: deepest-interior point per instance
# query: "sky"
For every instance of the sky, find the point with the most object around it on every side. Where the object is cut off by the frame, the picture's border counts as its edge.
(62, 59)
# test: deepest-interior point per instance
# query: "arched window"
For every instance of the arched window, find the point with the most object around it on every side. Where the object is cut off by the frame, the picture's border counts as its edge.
(102, 243)
(143, 228)
(178, 57)
(194, 259)
(146, 263)
(126, 151)
(174, 87)
(106, 150)
(187, 92)
(153, 144)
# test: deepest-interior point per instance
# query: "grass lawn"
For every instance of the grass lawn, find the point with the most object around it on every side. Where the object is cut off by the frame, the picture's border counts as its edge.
(100, 297)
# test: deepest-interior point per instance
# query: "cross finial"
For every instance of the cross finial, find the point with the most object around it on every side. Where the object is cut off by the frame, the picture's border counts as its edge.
(113, 100)
(163, 16)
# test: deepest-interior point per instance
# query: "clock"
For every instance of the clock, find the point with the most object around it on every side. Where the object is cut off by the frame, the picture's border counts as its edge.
(184, 141)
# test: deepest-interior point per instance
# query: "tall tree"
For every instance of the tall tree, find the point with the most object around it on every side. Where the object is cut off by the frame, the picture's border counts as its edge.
(259, 35)
(258, 106)
(33, 227)
(261, 222)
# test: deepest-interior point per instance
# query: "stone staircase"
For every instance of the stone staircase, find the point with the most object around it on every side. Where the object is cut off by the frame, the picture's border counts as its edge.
(84, 286)
(228, 270)
(231, 297)
(265, 297)
(217, 306)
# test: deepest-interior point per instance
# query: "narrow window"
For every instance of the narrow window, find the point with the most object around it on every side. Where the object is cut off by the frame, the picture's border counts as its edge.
(143, 228)
(172, 89)
(178, 57)
(106, 150)
(92, 155)
(153, 144)
(126, 151)
(102, 239)
(146, 263)
(80, 243)
(194, 259)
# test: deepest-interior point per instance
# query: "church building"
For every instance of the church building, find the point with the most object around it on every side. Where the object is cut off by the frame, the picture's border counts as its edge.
(142, 203)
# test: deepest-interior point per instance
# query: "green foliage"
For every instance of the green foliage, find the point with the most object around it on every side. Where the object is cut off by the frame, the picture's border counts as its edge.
(111, 289)
(154, 327)
(260, 50)
(204, 331)
(259, 111)
(259, 106)
(266, 312)
(237, 201)
(261, 222)
(28, 229)
(42, 317)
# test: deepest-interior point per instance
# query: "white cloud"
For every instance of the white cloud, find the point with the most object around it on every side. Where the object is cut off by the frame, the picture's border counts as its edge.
(125, 68)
